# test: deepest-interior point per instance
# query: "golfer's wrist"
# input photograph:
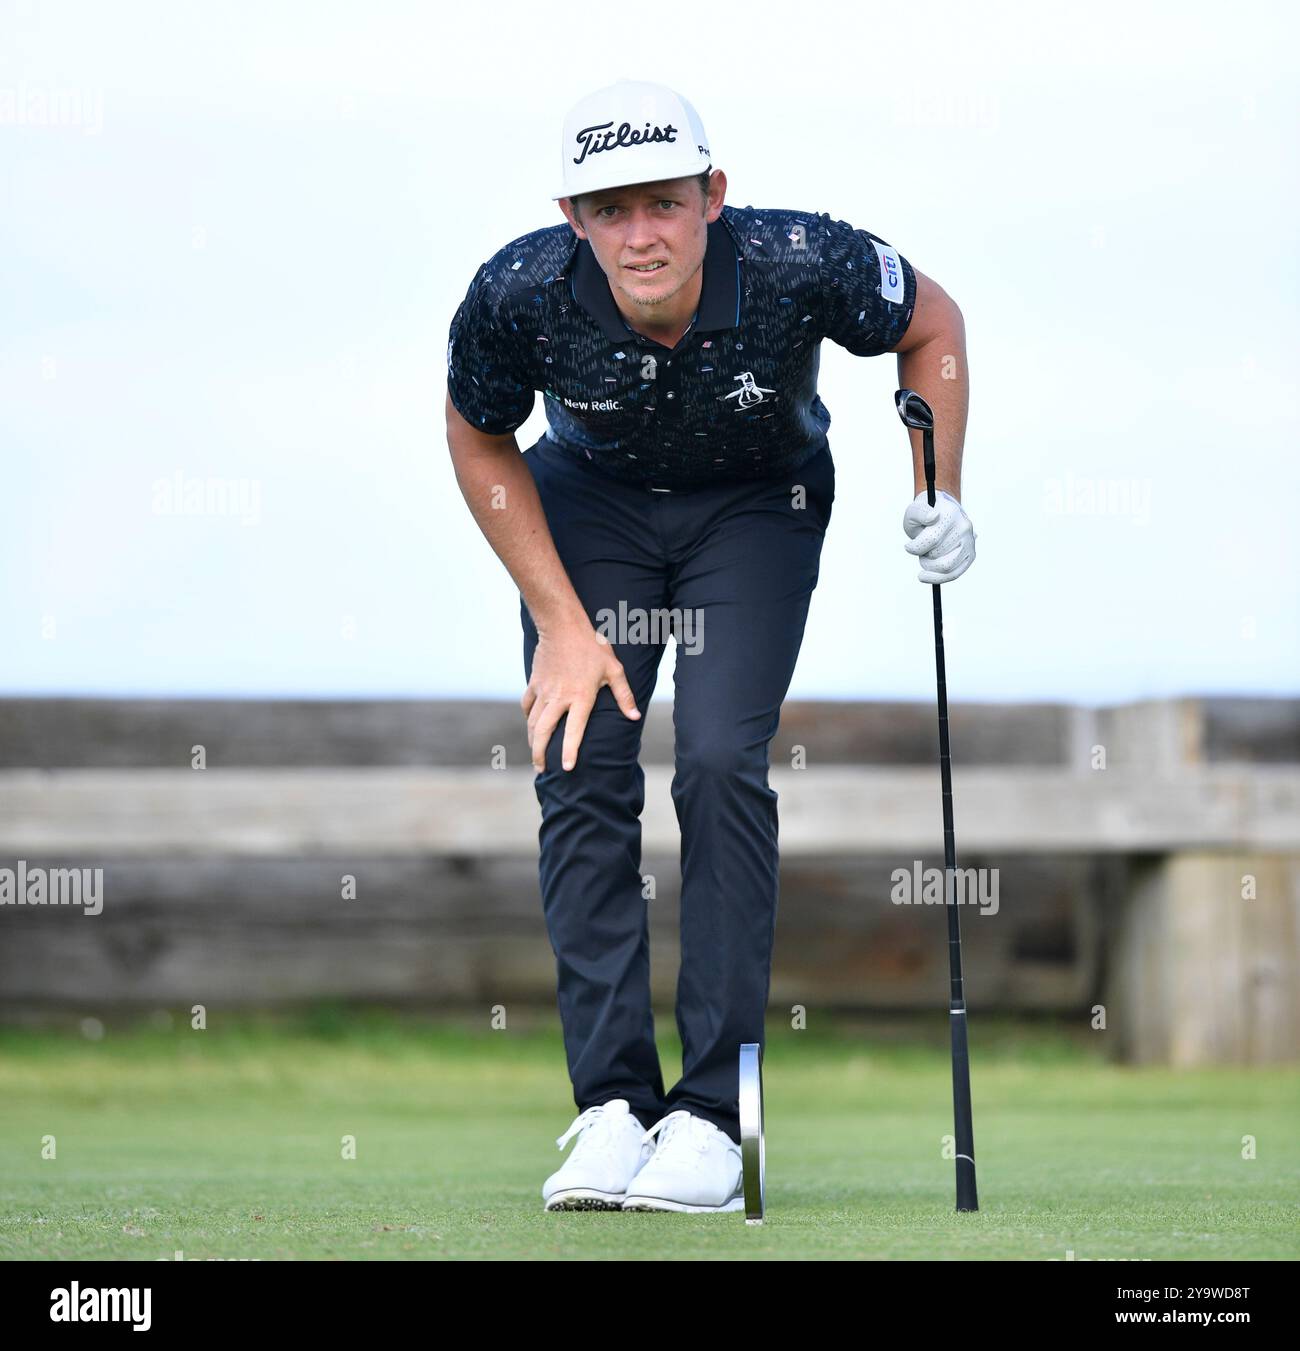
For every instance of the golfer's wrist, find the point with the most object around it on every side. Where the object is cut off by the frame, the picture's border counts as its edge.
(562, 619)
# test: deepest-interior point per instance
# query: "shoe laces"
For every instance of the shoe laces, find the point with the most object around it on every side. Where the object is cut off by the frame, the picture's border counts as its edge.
(594, 1127)
(683, 1130)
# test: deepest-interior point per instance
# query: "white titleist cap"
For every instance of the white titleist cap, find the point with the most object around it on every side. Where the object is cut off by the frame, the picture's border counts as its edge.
(630, 132)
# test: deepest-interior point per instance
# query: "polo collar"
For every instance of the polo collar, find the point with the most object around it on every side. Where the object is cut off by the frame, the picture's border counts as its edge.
(719, 291)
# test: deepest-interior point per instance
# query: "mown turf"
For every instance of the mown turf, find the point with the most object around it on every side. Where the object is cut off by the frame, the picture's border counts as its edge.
(227, 1143)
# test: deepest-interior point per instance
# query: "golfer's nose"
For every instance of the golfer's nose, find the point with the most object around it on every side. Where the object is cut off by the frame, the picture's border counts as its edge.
(642, 230)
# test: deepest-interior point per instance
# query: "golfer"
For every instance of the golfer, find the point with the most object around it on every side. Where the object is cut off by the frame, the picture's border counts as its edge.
(683, 487)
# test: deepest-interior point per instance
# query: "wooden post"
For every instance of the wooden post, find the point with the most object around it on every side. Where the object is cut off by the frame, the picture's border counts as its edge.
(1205, 962)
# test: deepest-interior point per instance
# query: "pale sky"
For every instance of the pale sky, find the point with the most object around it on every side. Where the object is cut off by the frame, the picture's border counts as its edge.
(233, 238)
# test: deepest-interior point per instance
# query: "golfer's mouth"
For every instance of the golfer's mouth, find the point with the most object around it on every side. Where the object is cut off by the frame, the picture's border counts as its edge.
(646, 269)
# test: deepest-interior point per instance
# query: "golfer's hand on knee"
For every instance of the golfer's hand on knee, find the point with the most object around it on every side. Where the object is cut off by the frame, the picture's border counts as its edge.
(569, 668)
(941, 536)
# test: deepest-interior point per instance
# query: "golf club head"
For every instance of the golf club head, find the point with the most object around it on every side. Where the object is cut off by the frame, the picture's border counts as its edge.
(914, 410)
(753, 1162)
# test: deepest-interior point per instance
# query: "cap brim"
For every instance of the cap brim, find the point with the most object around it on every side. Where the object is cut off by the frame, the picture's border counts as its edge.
(614, 181)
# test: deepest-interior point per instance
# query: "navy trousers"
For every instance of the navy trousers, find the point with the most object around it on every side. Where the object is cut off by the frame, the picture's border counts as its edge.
(728, 569)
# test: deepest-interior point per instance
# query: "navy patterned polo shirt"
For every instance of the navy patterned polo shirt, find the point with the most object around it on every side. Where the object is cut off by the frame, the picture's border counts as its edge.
(735, 399)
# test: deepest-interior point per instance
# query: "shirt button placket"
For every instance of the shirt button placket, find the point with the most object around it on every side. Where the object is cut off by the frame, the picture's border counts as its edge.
(668, 391)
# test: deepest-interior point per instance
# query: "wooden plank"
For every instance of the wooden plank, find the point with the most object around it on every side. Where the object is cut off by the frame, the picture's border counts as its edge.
(1259, 731)
(823, 811)
(274, 931)
(159, 733)
(65, 733)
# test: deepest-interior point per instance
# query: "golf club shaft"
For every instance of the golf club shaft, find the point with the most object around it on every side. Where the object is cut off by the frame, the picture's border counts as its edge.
(967, 1197)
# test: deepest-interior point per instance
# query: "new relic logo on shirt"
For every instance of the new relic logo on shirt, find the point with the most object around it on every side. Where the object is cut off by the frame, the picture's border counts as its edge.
(594, 140)
(591, 405)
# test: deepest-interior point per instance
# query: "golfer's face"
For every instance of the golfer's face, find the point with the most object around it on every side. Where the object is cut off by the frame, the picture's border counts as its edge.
(650, 239)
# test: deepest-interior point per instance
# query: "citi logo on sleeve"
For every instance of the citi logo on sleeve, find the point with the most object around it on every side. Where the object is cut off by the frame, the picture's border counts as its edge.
(891, 273)
(593, 142)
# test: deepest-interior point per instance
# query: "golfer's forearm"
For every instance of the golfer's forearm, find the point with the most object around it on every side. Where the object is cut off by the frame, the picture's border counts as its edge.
(937, 371)
(500, 493)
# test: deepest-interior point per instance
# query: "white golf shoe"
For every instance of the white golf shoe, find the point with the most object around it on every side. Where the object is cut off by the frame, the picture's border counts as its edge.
(695, 1167)
(611, 1147)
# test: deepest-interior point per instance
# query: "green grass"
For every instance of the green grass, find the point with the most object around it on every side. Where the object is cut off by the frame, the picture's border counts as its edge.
(227, 1144)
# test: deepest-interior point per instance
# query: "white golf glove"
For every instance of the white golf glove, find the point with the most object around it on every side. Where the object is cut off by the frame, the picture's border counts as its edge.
(941, 536)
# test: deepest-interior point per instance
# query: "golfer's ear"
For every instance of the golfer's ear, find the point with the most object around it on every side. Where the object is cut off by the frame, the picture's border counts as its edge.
(935, 315)
(566, 206)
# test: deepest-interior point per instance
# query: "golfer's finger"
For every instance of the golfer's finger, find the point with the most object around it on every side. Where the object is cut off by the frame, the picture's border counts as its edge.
(551, 714)
(528, 699)
(573, 731)
(622, 692)
(534, 718)
(950, 571)
(925, 542)
(946, 562)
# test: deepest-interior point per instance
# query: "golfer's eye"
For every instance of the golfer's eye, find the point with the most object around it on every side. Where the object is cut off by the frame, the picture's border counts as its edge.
(603, 209)
(667, 202)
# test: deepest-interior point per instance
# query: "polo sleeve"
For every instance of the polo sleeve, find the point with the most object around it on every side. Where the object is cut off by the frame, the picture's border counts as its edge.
(488, 375)
(868, 289)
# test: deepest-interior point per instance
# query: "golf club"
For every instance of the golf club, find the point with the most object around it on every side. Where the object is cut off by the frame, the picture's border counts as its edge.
(915, 412)
(751, 1129)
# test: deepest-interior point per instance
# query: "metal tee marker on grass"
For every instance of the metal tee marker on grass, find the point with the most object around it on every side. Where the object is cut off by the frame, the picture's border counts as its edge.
(916, 413)
(752, 1161)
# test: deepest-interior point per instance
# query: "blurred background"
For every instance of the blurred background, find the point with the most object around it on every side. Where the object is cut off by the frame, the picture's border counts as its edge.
(262, 670)
(233, 252)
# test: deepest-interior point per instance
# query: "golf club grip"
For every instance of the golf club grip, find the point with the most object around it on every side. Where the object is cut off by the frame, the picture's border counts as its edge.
(927, 453)
(945, 753)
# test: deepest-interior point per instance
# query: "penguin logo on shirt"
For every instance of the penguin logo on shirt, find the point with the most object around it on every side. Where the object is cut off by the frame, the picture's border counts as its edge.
(749, 393)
